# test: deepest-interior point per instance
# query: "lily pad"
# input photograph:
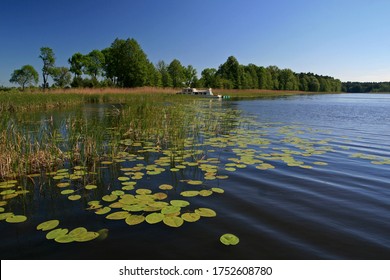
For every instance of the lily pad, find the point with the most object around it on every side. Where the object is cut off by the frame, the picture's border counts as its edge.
(179, 203)
(134, 219)
(56, 233)
(6, 215)
(165, 187)
(16, 219)
(120, 215)
(218, 190)
(103, 210)
(205, 193)
(194, 182)
(64, 239)
(77, 231)
(123, 179)
(74, 197)
(189, 193)
(170, 209)
(63, 185)
(190, 217)
(206, 212)
(67, 192)
(86, 236)
(90, 187)
(48, 225)
(229, 239)
(143, 191)
(110, 197)
(154, 218)
(173, 221)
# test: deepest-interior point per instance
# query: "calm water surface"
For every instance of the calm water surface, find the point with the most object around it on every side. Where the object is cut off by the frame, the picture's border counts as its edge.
(335, 205)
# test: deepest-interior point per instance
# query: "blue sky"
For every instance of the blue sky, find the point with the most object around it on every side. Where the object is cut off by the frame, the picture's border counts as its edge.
(345, 39)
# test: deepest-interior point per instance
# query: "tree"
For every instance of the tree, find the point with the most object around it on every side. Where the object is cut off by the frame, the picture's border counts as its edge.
(190, 76)
(61, 76)
(93, 63)
(126, 63)
(162, 68)
(209, 77)
(48, 59)
(265, 78)
(177, 73)
(287, 80)
(77, 62)
(231, 70)
(27, 75)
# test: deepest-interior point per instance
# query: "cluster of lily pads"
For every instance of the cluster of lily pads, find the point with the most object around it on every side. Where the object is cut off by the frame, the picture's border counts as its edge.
(9, 190)
(374, 159)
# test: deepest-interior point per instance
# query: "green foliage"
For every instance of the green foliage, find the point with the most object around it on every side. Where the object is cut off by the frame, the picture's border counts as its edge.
(93, 63)
(48, 59)
(177, 73)
(27, 75)
(357, 87)
(77, 62)
(61, 76)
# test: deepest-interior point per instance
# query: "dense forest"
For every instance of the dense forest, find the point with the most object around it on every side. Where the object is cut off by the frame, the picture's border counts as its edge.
(125, 64)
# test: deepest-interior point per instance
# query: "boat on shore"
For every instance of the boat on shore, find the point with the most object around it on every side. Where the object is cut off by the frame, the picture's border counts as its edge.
(201, 92)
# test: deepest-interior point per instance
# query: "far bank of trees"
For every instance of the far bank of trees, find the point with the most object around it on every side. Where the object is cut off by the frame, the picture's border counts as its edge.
(358, 87)
(125, 64)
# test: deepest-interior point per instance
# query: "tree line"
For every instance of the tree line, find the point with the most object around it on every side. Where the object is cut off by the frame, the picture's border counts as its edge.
(364, 87)
(125, 64)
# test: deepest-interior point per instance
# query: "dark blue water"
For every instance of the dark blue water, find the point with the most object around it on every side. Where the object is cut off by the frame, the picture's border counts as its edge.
(338, 207)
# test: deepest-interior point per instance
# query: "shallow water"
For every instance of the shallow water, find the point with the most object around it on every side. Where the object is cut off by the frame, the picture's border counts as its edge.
(332, 203)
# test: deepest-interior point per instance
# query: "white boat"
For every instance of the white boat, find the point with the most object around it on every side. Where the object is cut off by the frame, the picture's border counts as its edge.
(200, 92)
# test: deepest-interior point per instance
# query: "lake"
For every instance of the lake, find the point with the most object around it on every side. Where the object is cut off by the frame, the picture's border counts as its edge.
(298, 177)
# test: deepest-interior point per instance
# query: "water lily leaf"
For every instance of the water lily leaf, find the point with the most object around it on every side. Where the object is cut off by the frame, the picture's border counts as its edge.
(231, 169)
(134, 220)
(16, 219)
(206, 212)
(77, 231)
(6, 215)
(173, 221)
(67, 191)
(123, 179)
(64, 239)
(103, 233)
(165, 187)
(103, 210)
(190, 217)
(110, 197)
(90, 187)
(143, 191)
(86, 236)
(189, 193)
(2, 209)
(170, 209)
(194, 182)
(120, 215)
(56, 233)
(205, 193)
(118, 192)
(48, 225)
(128, 188)
(154, 218)
(174, 169)
(218, 190)
(222, 177)
(74, 197)
(106, 162)
(3, 203)
(160, 196)
(10, 196)
(7, 192)
(179, 203)
(229, 239)
(134, 207)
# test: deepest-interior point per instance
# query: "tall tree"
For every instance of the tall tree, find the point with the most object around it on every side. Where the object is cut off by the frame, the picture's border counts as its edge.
(61, 76)
(231, 70)
(24, 76)
(177, 73)
(94, 62)
(48, 59)
(190, 76)
(166, 79)
(127, 63)
(77, 62)
(209, 77)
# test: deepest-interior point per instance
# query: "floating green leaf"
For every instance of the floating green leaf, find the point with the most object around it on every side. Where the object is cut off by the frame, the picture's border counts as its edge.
(103, 210)
(165, 187)
(56, 233)
(67, 192)
(179, 203)
(48, 225)
(229, 239)
(170, 209)
(189, 193)
(173, 221)
(120, 215)
(206, 212)
(63, 185)
(16, 219)
(110, 197)
(90, 187)
(190, 217)
(134, 220)
(218, 190)
(194, 182)
(154, 218)
(74, 197)
(77, 231)
(64, 239)
(86, 236)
